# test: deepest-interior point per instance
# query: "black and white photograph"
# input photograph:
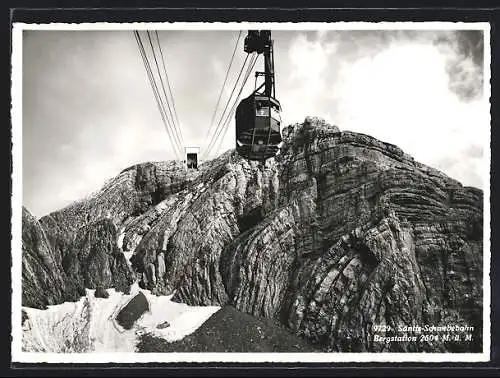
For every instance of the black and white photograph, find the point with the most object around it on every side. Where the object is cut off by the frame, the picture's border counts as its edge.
(248, 192)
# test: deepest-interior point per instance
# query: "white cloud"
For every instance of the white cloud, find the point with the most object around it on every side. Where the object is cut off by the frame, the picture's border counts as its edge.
(399, 94)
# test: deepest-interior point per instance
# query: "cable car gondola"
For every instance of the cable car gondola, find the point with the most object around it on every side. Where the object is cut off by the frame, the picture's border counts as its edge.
(258, 121)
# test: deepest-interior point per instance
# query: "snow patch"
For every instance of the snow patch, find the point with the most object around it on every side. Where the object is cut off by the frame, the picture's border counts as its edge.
(119, 241)
(128, 255)
(183, 319)
(162, 206)
(89, 324)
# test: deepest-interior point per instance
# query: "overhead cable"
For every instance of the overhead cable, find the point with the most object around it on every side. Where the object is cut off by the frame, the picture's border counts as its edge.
(222, 88)
(154, 87)
(174, 130)
(218, 128)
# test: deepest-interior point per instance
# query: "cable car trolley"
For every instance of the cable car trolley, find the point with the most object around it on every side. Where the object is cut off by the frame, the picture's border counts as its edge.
(258, 120)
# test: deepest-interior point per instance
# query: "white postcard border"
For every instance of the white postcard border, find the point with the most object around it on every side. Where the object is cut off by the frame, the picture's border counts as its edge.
(16, 269)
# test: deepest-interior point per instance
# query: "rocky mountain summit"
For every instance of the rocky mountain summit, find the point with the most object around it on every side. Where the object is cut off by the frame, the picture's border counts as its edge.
(338, 237)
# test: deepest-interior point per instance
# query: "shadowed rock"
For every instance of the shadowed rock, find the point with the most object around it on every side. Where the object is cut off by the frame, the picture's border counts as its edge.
(100, 292)
(89, 260)
(43, 279)
(94, 260)
(165, 324)
(132, 311)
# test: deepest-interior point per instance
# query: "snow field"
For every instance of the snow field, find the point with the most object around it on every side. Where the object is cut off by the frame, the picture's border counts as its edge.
(89, 325)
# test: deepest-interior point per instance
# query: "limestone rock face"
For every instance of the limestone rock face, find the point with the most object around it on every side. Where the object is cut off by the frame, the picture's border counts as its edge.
(339, 234)
(42, 276)
(94, 260)
(100, 292)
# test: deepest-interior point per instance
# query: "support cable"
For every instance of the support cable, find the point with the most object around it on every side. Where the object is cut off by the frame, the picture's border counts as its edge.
(174, 131)
(177, 124)
(233, 109)
(154, 87)
(223, 86)
(219, 126)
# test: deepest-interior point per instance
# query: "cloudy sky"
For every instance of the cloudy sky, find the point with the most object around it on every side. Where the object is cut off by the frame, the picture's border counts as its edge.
(88, 109)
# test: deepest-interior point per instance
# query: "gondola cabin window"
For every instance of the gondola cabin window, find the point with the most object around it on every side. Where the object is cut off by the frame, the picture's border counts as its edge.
(276, 115)
(262, 109)
(263, 112)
